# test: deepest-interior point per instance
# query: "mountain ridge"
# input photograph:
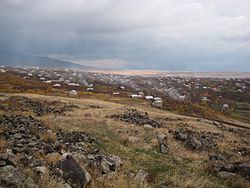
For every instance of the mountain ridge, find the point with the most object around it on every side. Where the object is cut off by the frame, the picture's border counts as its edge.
(26, 60)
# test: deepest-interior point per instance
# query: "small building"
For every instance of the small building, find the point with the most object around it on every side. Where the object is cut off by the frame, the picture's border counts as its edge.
(73, 84)
(157, 102)
(157, 99)
(182, 97)
(61, 79)
(73, 92)
(122, 87)
(2, 70)
(204, 99)
(149, 97)
(90, 89)
(135, 96)
(225, 106)
(116, 93)
(57, 85)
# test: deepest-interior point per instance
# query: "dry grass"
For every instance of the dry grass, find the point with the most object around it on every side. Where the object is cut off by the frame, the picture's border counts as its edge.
(3, 144)
(49, 138)
(115, 182)
(52, 158)
(180, 168)
(48, 181)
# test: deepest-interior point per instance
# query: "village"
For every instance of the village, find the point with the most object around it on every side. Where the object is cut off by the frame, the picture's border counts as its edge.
(224, 95)
(122, 130)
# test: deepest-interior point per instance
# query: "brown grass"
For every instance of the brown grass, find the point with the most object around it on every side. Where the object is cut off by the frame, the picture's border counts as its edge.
(3, 144)
(180, 168)
(48, 181)
(52, 158)
(49, 137)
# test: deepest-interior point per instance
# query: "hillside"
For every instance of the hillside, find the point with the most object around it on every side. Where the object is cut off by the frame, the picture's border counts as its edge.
(128, 147)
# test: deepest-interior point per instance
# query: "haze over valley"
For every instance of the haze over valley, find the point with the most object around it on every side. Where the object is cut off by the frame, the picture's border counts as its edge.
(124, 94)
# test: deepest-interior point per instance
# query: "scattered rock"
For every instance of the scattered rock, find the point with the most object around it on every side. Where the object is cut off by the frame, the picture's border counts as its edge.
(141, 176)
(138, 118)
(30, 183)
(241, 168)
(217, 157)
(133, 139)
(39, 107)
(244, 151)
(107, 164)
(196, 141)
(146, 126)
(73, 173)
(225, 175)
(23, 135)
(162, 140)
(41, 170)
(11, 177)
(193, 144)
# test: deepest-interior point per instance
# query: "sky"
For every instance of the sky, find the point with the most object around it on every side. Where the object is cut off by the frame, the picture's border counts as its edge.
(179, 35)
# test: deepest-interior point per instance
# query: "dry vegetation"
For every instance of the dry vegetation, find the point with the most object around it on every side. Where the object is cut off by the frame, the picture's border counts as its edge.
(180, 168)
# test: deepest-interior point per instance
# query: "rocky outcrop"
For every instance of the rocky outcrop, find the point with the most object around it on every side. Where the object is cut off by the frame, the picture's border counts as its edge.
(26, 144)
(162, 140)
(73, 173)
(138, 118)
(196, 141)
(39, 107)
(226, 169)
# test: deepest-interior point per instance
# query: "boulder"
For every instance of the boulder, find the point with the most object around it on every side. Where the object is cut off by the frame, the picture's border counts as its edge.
(30, 183)
(179, 134)
(11, 177)
(225, 175)
(217, 157)
(107, 164)
(41, 170)
(141, 176)
(73, 173)
(162, 140)
(194, 144)
(243, 169)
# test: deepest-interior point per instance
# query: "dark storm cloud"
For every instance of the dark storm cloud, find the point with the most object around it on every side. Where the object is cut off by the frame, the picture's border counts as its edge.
(160, 34)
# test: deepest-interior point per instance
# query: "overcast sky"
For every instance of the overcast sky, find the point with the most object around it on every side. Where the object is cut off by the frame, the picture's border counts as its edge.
(194, 35)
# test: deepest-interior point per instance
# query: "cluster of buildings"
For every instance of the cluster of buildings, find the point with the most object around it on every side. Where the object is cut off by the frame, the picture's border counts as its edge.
(152, 88)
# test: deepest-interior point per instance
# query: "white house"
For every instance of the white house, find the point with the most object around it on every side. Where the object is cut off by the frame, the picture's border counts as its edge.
(57, 85)
(73, 92)
(2, 70)
(158, 99)
(157, 102)
(90, 89)
(73, 84)
(135, 96)
(149, 97)
(225, 106)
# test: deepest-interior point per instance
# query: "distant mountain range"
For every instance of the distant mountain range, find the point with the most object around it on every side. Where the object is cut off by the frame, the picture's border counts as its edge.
(25, 60)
